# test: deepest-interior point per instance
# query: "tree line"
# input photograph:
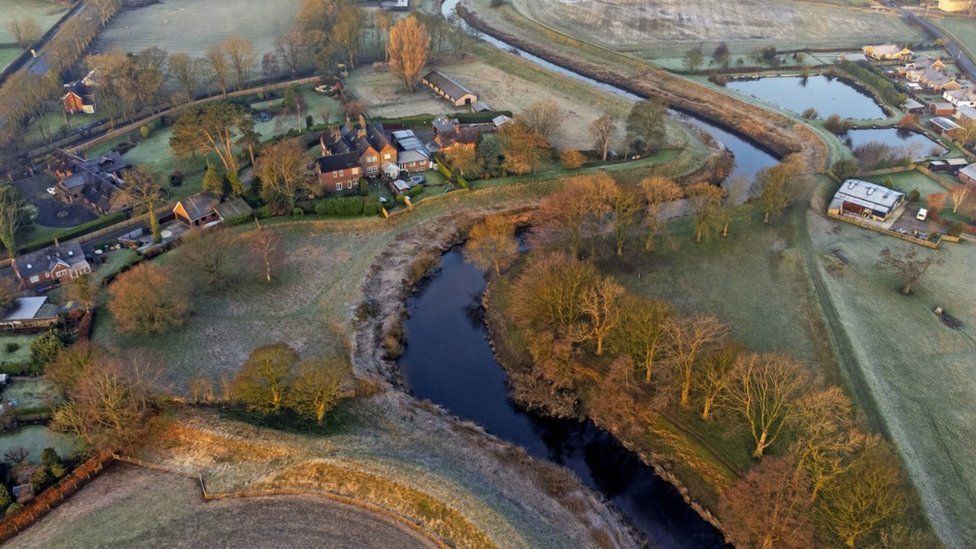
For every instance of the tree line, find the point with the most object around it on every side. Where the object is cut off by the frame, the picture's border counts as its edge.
(818, 476)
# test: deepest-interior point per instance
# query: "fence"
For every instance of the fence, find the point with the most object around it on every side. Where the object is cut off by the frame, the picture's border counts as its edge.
(873, 227)
(53, 496)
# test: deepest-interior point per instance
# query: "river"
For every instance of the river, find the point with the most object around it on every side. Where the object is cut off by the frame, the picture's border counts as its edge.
(448, 360)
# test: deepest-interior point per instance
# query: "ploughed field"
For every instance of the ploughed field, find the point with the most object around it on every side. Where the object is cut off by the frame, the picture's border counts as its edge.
(656, 27)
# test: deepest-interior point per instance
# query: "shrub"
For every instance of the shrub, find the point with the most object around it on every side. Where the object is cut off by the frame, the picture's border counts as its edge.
(144, 131)
(836, 125)
(572, 159)
(463, 183)
(12, 347)
(264, 212)
(415, 191)
(846, 169)
(914, 196)
(46, 347)
(297, 211)
(176, 178)
(810, 113)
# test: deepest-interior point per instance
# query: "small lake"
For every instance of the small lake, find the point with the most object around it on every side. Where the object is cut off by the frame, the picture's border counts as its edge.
(917, 144)
(449, 361)
(825, 94)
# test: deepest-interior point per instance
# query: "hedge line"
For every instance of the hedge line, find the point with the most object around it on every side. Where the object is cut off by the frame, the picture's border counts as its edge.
(73, 232)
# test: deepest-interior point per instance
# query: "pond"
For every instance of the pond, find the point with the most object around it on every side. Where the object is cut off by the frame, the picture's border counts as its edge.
(448, 360)
(825, 94)
(916, 145)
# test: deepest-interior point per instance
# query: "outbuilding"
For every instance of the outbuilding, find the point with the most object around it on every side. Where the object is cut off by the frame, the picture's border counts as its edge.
(865, 199)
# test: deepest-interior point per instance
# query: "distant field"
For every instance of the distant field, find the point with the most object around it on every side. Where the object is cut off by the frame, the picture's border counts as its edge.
(192, 26)
(657, 27)
(45, 12)
(506, 83)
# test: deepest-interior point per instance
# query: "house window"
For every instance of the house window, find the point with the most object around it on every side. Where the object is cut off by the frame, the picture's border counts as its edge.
(386, 156)
(35, 279)
(370, 159)
(339, 173)
(355, 171)
(338, 185)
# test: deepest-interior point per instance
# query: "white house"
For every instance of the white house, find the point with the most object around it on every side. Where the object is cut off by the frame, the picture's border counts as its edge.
(961, 97)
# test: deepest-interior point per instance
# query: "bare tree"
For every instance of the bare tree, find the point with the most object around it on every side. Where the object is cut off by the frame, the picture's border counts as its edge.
(266, 246)
(715, 375)
(766, 392)
(625, 206)
(112, 401)
(908, 265)
(690, 337)
(827, 437)
(284, 177)
(600, 302)
(778, 186)
(642, 332)
(219, 67)
(25, 30)
(148, 299)
(769, 508)
(188, 73)
(293, 50)
(867, 496)
(491, 243)
(960, 194)
(705, 201)
(580, 200)
(603, 129)
(208, 257)
(659, 192)
(242, 58)
(544, 118)
(547, 296)
(263, 380)
(408, 50)
(142, 188)
(314, 391)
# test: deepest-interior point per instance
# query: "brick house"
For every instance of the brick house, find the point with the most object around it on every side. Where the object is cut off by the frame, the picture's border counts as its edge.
(339, 173)
(197, 210)
(51, 264)
(368, 140)
(79, 96)
(97, 183)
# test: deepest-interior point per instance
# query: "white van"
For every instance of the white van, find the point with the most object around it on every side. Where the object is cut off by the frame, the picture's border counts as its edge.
(922, 215)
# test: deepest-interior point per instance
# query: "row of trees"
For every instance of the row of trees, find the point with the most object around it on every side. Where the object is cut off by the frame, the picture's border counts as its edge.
(830, 481)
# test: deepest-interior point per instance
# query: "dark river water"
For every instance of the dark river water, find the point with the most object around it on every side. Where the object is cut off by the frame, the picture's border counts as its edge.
(448, 360)
(825, 94)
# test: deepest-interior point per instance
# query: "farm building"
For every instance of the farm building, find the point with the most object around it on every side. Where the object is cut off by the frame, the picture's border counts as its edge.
(449, 89)
(912, 106)
(51, 264)
(948, 165)
(952, 6)
(339, 173)
(864, 199)
(887, 52)
(944, 126)
(965, 114)
(96, 183)
(29, 313)
(967, 175)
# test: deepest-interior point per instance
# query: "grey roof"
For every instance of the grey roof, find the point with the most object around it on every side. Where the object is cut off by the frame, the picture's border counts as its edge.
(413, 155)
(335, 162)
(448, 85)
(969, 171)
(869, 195)
(44, 260)
(233, 209)
(945, 123)
(200, 205)
(965, 111)
(481, 106)
(407, 140)
(25, 308)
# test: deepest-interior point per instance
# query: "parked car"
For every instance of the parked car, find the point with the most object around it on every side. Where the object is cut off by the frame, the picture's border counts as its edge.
(922, 214)
(51, 191)
(417, 180)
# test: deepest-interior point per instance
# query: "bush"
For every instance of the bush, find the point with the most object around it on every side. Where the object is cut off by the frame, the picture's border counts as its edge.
(12, 347)
(572, 159)
(144, 131)
(264, 212)
(176, 178)
(914, 196)
(46, 347)
(810, 113)
(297, 211)
(415, 191)
(836, 125)
(463, 183)
(846, 169)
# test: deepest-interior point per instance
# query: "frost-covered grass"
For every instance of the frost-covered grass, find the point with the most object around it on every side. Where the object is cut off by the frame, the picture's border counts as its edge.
(193, 26)
(44, 12)
(35, 438)
(32, 393)
(918, 371)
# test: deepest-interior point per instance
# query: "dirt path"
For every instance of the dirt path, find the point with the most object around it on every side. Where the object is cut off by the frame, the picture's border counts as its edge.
(130, 506)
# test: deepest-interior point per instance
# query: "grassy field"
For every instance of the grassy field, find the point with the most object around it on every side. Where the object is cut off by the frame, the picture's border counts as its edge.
(192, 26)
(652, 28)
(754, 280)
(35, 438)
(918, 371)
(172, 513)
(505, 82)
(908, 181)
(7, 56)
(32, 393)
(961, 29)
(44, 12)
(20, 355)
